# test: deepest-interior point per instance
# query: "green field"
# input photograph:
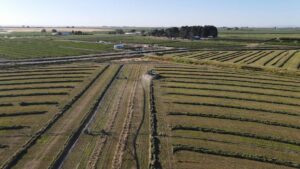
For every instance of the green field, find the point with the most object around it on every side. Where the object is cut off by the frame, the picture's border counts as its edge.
(24, 48)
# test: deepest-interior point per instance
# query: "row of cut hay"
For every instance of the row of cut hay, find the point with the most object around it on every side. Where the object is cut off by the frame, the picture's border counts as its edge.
(229, 117)
(259, 57)
(230, 91)
(288, 59)
(217, 74)
(6, 104)
(202, 54)
(16, 127)
(238, 108)
(189, 71)
(196, 54)
(2, 146)
(41, 82)
(233, 98)
(167, 67)
(38, 103)
(71, 67)
(36, 88)
(42, 78)
(232, 85)
(274, 57)
(255, 56)
(184, 54)
(228, 55)
(247, 56)
(210, 78)
(207, 55)
(280, 58)
(233, 56)
(23, 150)
(45, 70)
(253, 157)
(35, 94)
(216, 54)
(237, 56)
(235, 133)
(22, 113)
(154, 140)
(231, 72)
(44, 74)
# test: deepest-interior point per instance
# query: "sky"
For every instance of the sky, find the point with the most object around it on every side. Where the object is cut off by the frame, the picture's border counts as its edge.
(150, 13)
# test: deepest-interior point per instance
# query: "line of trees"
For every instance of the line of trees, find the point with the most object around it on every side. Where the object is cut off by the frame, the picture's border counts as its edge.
(186, 32)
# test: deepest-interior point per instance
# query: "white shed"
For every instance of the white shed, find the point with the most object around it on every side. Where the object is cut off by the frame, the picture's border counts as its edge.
(119, 46)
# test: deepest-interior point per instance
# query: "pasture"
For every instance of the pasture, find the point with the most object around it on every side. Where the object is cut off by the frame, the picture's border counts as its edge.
(41, 47)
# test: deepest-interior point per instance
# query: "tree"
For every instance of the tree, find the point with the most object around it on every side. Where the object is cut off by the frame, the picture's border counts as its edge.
(143, 32)
(43, 30)
(54, 30)
(172, 32)
(210, 31)
(158, 32)
(120, 31)
(77, 32)
(132, 31)
(184, 32)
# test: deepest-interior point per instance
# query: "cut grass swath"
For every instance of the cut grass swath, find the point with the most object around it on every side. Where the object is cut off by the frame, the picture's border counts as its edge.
(228, 117)
(38, 103)
(235, 133)
(42, 82)
(228, 90)
(259, 158)
(238, 107)
(35, 94)
(233, 98)
(22, 114)
(233, 85)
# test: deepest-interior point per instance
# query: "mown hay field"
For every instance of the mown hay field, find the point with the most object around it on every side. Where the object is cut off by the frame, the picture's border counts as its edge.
(272, 59)
(209, 117)
(31, 97)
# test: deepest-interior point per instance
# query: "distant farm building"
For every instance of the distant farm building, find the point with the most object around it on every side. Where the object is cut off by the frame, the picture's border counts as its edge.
(61, 33)
(133, 33)
(119, 46)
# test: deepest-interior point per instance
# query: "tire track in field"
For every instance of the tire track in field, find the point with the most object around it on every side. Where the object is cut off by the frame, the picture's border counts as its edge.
(123, 138)
(73, 139)
(92, 163)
